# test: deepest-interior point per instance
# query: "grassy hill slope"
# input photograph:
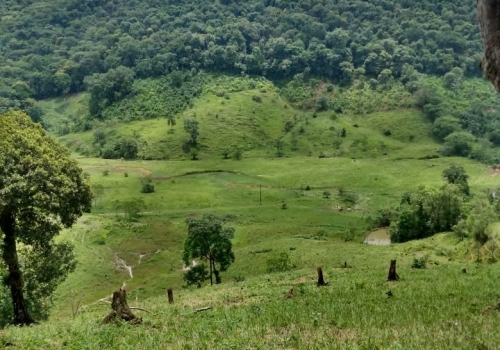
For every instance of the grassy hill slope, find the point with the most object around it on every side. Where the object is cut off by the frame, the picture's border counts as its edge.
(435, 308)
(249, 115)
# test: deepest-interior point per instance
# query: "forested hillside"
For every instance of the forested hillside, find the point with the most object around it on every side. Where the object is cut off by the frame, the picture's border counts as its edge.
(141, 59)
(53, 45)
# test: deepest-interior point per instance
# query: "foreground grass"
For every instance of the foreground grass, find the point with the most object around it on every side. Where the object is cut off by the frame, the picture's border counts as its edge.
(435, 308)
(310, 230)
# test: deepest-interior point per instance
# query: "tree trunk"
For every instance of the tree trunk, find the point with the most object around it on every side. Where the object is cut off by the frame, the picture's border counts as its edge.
(170, 293)
(121, 310)
(211, 273)
(489, 23)
(393, 276)
(218, 280)
(321, 280)
(14, 279)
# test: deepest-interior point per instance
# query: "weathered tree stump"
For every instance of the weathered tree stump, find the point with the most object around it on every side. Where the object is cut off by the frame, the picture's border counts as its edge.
(393, 276)
(170, 293)
(321, 280)
(120, 309)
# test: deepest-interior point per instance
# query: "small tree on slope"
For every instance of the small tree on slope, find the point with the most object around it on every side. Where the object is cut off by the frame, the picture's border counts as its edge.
(42, 191)
(208, 239)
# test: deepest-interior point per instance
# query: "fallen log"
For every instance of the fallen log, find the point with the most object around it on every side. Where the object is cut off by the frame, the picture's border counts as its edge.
(121, 310)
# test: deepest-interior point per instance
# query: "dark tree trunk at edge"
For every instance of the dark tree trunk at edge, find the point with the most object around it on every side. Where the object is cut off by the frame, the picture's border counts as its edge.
(393, 276)
(489, 23)
(14, 279)
(218, 280)
(211, 273)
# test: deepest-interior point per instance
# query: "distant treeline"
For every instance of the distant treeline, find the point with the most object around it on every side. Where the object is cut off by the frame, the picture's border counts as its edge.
(47, 48)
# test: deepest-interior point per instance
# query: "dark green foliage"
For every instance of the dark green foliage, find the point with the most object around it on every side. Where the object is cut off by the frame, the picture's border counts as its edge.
(194, 153)
(238, 154)
(132, 208)
(337, 40)
(456, 175)
(458, 144)
(210, 239)
(280, 145)
(326, 194)
(426, 212)
(280, 262)
(322, 104)
(444, 126)
(107, 88)
(257, 98)
(147, 188)
(196, 275)
(43, 191)
(419, 263)
(191, 128)
(126, 148)
(343, 132)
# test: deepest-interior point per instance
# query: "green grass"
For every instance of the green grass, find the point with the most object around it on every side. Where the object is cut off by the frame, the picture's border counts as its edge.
(435, 308)
(230, 119)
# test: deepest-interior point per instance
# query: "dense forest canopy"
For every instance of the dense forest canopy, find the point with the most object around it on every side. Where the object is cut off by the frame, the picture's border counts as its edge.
(47, 48)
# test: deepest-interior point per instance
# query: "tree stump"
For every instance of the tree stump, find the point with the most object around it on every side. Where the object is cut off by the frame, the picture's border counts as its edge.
(321, 280)
(170, 293)
(393, 276)
(120, 309)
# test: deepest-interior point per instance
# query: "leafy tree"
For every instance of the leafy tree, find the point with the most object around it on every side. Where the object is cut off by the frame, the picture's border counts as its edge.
(456, 175)
(132, 208)
(476, 223)
(196, 275)
(209, 239)
(458, 144)
(97, 192)
(445, 125)
(42, 191)
(279, 144)
(426, 212)
(191, 128)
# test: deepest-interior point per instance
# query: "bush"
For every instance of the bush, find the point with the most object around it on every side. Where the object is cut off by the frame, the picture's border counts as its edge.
(105, 173)
(326, 194)
(387, 132)
(257, 98)
(280, 262)
(196, 275)
(284, 206)
(148, 188)
(237, 155)
(239, 278)
(419, 263)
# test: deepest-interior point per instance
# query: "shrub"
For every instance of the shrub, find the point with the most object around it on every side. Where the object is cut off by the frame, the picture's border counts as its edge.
(237, 155)
(148, 188)
(239, 277)
(308, 188)
(387, 132)
(196, 275)
(105, 173)
(419, 263)
(125, 174)
(326, 194)
(280, 262)
(284, 206)
(257, 98)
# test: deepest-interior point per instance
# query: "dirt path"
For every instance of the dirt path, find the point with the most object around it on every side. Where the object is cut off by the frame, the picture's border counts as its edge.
(121, 265)
(378, 237)
(123, 169)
